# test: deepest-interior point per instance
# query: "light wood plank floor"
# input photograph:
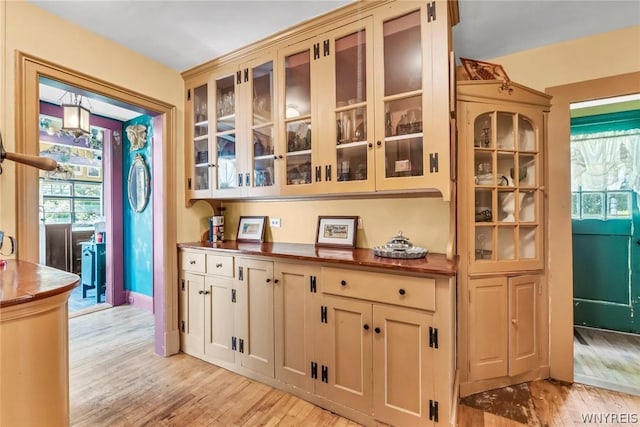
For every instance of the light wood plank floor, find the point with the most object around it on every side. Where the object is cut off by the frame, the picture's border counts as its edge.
(607, 359)
(117, 380)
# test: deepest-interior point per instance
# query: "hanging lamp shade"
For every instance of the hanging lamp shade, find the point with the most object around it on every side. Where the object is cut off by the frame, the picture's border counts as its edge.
(75, 119)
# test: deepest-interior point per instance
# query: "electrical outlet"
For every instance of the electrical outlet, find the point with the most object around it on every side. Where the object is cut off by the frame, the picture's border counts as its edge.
(274, 222)
(360, 223)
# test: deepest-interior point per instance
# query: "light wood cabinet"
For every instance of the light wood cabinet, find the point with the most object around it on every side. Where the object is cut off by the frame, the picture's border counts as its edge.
(502, 135)
(376, 347)
(352, 105)
(295, 324)
(503, 327)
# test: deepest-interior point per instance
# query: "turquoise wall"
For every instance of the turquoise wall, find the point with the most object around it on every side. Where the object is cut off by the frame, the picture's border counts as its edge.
(138, 226)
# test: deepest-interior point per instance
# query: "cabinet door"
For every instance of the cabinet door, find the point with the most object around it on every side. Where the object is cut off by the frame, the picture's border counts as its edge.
(343, 349)
(254, 315)
(487, 328)
(402, 365)
(264, 158)
(412, 97)
(523, 331)
(200, 177)
(192, 314)
(346, 85)
(503, 146)
(219, 318)
(294, 323)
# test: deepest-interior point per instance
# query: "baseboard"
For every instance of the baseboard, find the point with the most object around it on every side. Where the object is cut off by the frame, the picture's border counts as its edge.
(144, 302)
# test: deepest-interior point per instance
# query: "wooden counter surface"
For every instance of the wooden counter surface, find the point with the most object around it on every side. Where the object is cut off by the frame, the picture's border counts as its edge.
(432, 264)
(22, 282)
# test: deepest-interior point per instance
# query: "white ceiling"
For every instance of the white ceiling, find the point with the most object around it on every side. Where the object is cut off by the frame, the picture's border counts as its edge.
(185, 33)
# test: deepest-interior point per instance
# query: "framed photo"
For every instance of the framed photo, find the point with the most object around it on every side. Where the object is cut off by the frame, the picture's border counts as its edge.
(93, 172)
(480, 70)
(337, 231)
(251, 229)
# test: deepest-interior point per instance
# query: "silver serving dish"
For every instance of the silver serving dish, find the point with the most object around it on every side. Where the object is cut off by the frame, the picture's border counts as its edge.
(400, 247)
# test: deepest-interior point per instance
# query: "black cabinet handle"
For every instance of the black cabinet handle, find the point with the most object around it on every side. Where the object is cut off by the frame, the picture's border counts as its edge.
(276, 281)
(402, 292)
(206, 292)
(218, 265)
(370, 144)
(379, 143)
(192, 262)
(366, 327)
(377, 330)
(268, 280)
(280, 156)
(343, 282)
(200, 292)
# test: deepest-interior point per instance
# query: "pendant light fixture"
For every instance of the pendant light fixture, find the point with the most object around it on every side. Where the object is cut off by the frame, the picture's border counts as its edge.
(75, 118)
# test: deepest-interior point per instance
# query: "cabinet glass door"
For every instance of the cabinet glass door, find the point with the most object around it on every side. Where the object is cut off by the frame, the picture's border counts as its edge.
(262, 125)
(351, 107)
(298, 117)
(201, 139)
(507, 188)
(226, 133)
(403, 139)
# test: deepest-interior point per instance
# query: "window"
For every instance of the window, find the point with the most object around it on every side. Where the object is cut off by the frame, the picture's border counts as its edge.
(71, 202)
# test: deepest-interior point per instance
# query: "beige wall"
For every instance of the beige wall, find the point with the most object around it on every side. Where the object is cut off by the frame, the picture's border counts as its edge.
(34, 31)
(424, 220)
(559, 67)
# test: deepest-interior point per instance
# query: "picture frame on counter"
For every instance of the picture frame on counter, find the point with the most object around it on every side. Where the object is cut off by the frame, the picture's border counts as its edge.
(251, 229)
(481, 70)
(337, 231)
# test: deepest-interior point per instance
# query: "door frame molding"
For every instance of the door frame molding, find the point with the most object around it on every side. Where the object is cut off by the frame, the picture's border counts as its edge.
(29, 69)
(558, 210)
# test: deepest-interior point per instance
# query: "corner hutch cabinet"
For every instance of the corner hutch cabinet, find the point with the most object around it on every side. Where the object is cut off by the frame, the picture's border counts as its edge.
(353, 104)
(502, 134)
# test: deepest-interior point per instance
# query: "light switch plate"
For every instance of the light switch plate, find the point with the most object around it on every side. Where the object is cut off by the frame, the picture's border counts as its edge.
(274, 222)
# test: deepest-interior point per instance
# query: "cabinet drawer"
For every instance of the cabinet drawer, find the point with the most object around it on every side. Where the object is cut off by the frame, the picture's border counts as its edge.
(407, 291)
(192, 261)
(220, 265)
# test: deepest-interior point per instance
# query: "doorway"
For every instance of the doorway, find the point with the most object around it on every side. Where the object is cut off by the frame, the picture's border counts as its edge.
(605, 211)
(29, 69)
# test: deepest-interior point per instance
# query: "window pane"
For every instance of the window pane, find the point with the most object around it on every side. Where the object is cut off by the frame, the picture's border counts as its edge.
(88, 190)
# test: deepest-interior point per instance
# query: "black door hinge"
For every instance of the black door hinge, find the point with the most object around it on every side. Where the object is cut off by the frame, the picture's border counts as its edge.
(433, 337)
(314, 370)
(241, 345)
(433, 162)
(431, 11)
(246, 75)
(182, 284)
(433, 410)
(316, 51)
(325, 374)
(182, 326)
(312, 284)
(323, 314)
(325, 47)
(188, 94)
(233, 295)
(233, 343)
(189, 183)
(238, 77)
(240, 273)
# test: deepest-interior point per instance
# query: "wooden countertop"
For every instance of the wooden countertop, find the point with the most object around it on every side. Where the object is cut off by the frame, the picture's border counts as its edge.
(432, 264)
(22, 282)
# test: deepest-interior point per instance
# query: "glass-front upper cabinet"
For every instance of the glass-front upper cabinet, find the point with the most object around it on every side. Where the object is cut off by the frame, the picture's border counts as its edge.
(226, 163)
(265, 159)
(199, 178)
(328, 79)
(412, 123)
(504, 145)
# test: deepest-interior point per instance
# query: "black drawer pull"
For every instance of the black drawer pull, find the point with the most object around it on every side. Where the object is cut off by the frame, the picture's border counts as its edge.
(268, 280)
(377, 330)
(402, 292)
(218, 265)
(366, 327)
(192, 262)
(343, 282)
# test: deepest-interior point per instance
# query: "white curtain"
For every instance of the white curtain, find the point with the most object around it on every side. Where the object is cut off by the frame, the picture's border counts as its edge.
(606, 161)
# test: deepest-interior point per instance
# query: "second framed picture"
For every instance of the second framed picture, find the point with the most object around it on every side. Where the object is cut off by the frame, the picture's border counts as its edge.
(338, 231)
(251, 229)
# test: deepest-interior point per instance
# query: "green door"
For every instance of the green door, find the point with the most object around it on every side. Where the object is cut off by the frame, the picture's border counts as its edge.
(606, 259)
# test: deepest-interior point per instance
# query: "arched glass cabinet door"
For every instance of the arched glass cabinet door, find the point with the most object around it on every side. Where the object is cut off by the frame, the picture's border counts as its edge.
(138, 184)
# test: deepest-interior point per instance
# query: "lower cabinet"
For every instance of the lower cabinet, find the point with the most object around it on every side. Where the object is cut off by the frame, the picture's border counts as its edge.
(503, 332)
(364, 344)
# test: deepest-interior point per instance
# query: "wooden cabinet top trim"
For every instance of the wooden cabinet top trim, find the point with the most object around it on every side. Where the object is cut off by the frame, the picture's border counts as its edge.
(432, 264)
(22, 282)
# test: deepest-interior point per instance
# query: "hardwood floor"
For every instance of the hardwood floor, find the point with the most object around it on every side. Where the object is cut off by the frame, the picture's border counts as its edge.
(117, 380)
(607, 359)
